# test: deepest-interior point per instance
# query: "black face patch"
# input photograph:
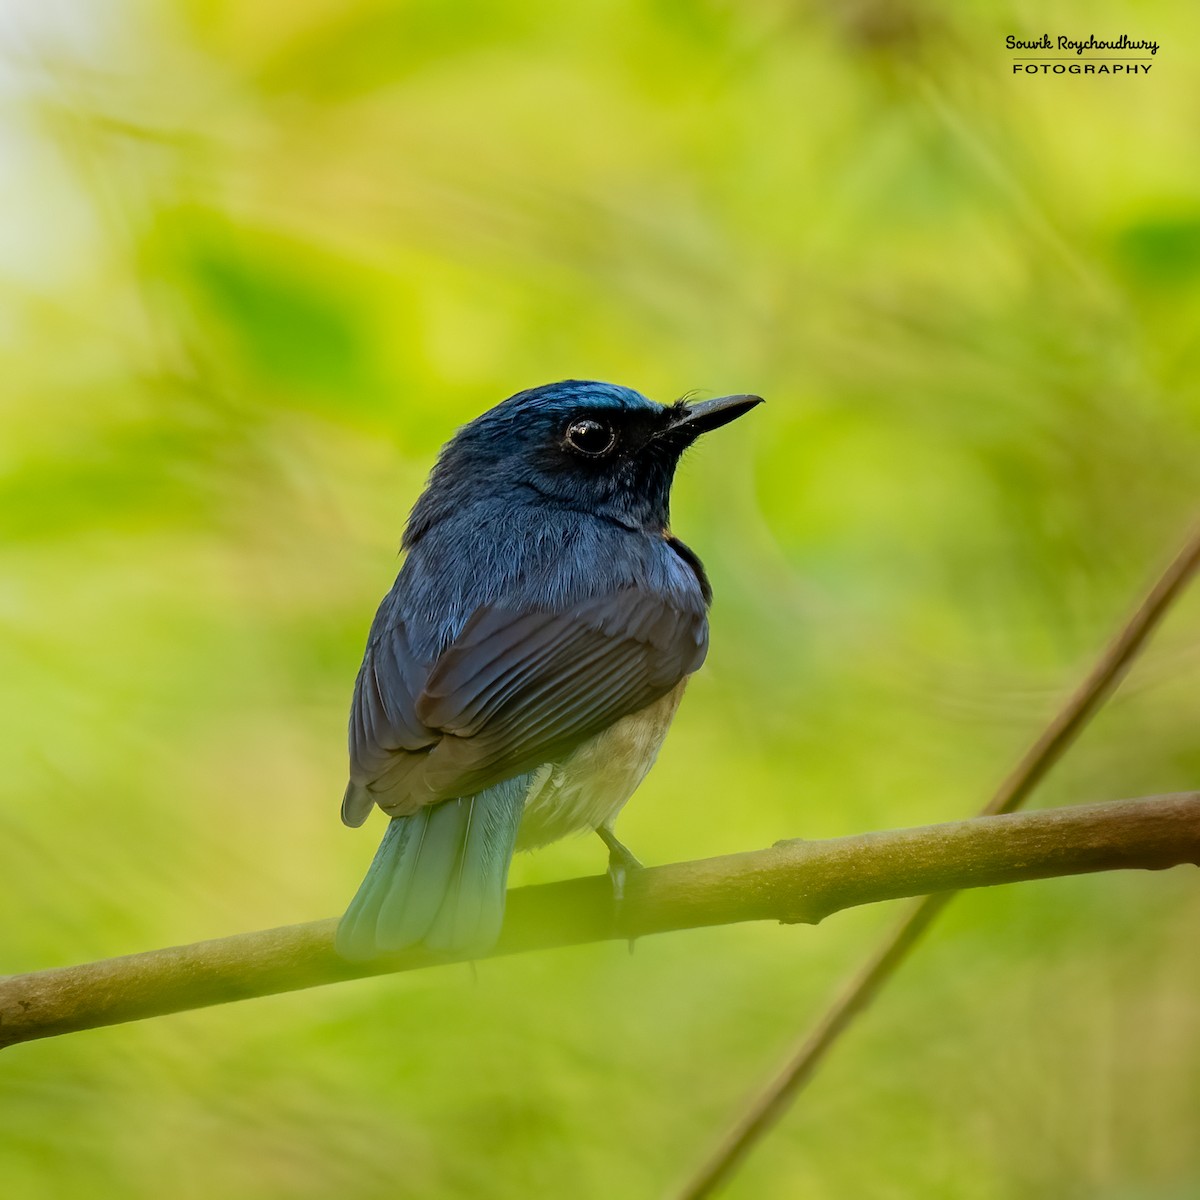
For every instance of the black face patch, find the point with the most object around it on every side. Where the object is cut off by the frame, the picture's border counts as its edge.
(605, 433)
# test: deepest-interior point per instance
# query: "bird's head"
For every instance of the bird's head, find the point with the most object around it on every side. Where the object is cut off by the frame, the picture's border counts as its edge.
(593, 447)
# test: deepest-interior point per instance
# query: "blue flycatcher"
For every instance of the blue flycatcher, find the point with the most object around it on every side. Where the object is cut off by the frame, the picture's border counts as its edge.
(521, 674)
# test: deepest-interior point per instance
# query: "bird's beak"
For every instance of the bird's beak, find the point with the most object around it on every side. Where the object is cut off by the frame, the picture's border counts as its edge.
(712, 414)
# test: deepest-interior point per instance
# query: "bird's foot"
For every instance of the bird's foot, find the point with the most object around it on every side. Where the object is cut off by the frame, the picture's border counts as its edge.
(622, 862)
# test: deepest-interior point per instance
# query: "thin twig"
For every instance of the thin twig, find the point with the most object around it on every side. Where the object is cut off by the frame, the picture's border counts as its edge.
(794, 881)
(857, 992)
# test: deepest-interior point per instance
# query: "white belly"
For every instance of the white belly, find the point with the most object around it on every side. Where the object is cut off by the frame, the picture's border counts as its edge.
(590, 786)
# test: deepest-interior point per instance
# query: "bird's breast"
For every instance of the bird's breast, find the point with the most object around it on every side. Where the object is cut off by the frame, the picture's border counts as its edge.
(591, 784)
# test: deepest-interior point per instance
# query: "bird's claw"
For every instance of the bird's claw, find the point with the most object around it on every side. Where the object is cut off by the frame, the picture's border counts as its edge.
(622, 862)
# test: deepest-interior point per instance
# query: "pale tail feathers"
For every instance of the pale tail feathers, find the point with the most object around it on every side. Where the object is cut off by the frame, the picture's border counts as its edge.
(438, 878)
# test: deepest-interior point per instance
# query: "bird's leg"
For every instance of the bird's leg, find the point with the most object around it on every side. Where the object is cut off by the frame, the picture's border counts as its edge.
(621, 860)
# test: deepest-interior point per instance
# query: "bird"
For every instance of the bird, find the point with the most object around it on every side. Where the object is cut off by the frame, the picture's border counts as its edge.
(522, 672)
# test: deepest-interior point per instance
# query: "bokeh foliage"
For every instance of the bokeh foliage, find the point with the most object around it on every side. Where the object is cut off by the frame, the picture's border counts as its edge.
(261, 259)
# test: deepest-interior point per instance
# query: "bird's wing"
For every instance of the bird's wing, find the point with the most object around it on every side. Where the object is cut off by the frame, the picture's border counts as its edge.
(385, 732)
(517, 689)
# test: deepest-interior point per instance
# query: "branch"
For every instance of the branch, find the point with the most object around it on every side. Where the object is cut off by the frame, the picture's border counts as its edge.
(793, 881)
(770, 1104)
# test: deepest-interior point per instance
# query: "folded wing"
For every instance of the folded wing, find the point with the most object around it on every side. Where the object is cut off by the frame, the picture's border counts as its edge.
(512, 691)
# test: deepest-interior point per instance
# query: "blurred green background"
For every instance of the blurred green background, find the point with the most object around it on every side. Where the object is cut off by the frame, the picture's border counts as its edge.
(259, 260)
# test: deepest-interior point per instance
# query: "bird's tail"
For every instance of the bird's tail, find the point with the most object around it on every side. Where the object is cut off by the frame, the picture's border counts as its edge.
(438, 878)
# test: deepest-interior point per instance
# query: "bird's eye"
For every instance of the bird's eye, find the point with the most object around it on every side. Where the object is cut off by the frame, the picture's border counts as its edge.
(590, 437)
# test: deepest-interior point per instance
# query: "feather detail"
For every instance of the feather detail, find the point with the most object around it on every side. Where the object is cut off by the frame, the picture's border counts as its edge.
(438, 878)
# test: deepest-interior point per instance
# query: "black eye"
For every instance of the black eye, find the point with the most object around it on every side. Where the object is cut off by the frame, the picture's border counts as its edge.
(592, 438)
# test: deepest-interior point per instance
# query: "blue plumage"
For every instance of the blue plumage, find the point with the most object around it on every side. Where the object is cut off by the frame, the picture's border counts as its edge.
(529, 656)
(438, 876)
